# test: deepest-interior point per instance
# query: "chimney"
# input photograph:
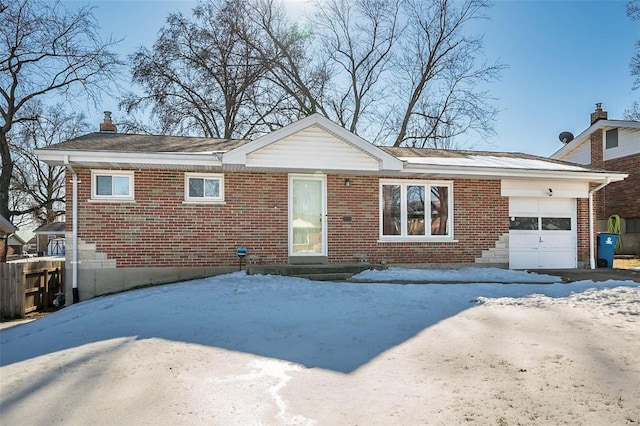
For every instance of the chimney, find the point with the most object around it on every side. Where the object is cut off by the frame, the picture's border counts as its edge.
(107, 125)
(598, 114)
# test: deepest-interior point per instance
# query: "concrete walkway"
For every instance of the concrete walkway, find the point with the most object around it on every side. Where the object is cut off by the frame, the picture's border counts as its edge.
(599, 274)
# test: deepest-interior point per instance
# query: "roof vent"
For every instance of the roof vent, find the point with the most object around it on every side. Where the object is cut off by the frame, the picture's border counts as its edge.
(565, 137)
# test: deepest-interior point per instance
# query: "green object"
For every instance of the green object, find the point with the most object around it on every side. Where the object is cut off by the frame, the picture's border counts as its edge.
(613, 226)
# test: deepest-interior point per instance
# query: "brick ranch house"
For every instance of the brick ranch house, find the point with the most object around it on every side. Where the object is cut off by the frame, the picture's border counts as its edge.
(612, 145)
(149, 209)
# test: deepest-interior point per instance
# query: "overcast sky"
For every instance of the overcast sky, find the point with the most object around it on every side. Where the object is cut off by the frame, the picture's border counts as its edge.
(562, 58)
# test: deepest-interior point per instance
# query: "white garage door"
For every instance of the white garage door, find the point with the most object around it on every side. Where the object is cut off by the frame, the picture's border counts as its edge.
(542, 233)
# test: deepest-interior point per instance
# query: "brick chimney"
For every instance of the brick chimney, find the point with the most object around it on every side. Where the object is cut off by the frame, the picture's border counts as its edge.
(107, 125)
(598, 114)
(596, 137)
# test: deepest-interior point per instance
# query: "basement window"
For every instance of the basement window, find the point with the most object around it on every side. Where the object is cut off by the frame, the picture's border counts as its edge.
(111, 185)
(204, 187)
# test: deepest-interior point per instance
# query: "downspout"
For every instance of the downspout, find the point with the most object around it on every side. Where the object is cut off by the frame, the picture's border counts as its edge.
(592, 257)
(74, 238)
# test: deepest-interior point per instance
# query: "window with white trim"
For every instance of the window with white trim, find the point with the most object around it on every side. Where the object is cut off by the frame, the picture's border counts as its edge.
(204, 187)
(611, 137)
(416, 210)
(112, 185)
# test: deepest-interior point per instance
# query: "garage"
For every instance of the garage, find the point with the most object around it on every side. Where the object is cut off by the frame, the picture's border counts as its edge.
(542, 233)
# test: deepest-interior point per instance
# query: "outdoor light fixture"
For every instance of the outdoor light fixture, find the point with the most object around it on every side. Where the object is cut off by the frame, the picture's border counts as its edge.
(347, 182)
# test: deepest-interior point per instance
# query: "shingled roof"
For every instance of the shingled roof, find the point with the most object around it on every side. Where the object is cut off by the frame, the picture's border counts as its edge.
(123, 142)
(418, 153)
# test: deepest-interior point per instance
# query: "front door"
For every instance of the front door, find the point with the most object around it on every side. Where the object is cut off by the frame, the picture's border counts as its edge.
(307, 213)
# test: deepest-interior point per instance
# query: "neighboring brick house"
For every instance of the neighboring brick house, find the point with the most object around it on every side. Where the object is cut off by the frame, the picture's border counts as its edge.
(612, 145)
(154, 209)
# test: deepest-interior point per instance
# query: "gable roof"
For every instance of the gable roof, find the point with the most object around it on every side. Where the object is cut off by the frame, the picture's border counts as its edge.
(313, 144)
(6, 227)
(583, 137)
(51, 228)
(386, 161)
(16, 240)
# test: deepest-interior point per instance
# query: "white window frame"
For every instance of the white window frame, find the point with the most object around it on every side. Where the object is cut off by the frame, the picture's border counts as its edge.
(112, 173)
(404, 237)
(206, 200)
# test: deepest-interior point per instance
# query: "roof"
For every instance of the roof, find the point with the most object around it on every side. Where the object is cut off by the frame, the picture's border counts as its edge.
(16, 240)
(584, 135)
(124, 142)
(6, 227)
(51, 228)
(288, 150)
(462, 158)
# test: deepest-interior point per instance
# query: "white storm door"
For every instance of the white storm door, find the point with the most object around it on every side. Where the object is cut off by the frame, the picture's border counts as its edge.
(307, 213)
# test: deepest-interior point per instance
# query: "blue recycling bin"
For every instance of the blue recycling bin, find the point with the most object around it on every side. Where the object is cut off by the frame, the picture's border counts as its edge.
(606, 244)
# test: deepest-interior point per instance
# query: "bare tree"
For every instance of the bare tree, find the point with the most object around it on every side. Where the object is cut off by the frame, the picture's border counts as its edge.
(633, 12)
(46, 49)
(37, 189)
(438, 75)
(292, 60)
(202, 75)
(358, 36)
(398, 72)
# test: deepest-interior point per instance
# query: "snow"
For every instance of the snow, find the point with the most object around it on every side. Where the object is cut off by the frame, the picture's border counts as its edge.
(475, 275)
(492, 161)
(237, 349)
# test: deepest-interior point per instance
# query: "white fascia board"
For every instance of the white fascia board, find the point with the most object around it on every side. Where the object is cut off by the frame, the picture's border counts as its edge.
(499, 173)
(239, 155)
(169, 158)
(584, 136)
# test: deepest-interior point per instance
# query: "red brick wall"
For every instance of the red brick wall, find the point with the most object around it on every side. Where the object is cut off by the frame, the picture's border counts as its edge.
(159, 230)
(623, 198)
(583, 229)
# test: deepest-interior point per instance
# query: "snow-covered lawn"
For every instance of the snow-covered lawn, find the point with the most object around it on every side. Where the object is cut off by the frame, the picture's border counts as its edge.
(238, 349)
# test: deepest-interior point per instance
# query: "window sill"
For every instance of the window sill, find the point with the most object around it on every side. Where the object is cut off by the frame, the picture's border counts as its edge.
(416, 240)
(205, 202)
(111, 200)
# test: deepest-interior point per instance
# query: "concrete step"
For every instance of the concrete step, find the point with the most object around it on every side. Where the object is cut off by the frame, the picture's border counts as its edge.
(339, 271)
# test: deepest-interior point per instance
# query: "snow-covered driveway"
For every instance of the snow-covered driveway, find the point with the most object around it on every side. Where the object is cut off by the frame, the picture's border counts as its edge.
(239, 349)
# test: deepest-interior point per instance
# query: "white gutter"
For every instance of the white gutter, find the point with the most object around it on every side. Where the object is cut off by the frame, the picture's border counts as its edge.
(74, 215)
(592, 258)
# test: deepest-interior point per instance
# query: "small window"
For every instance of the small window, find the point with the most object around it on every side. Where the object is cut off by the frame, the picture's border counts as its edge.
(633, 225)
(204, 188)
(412, 210)
(612, 138)
(522, 223)
(111, 185)
(556, 223)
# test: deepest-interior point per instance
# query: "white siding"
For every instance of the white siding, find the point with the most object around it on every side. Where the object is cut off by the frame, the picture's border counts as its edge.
(312, 148)
(580, 155)
(628, 144)
(540, 188)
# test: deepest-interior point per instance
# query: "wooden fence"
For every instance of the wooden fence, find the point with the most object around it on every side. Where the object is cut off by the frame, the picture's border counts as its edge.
(29, 286)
